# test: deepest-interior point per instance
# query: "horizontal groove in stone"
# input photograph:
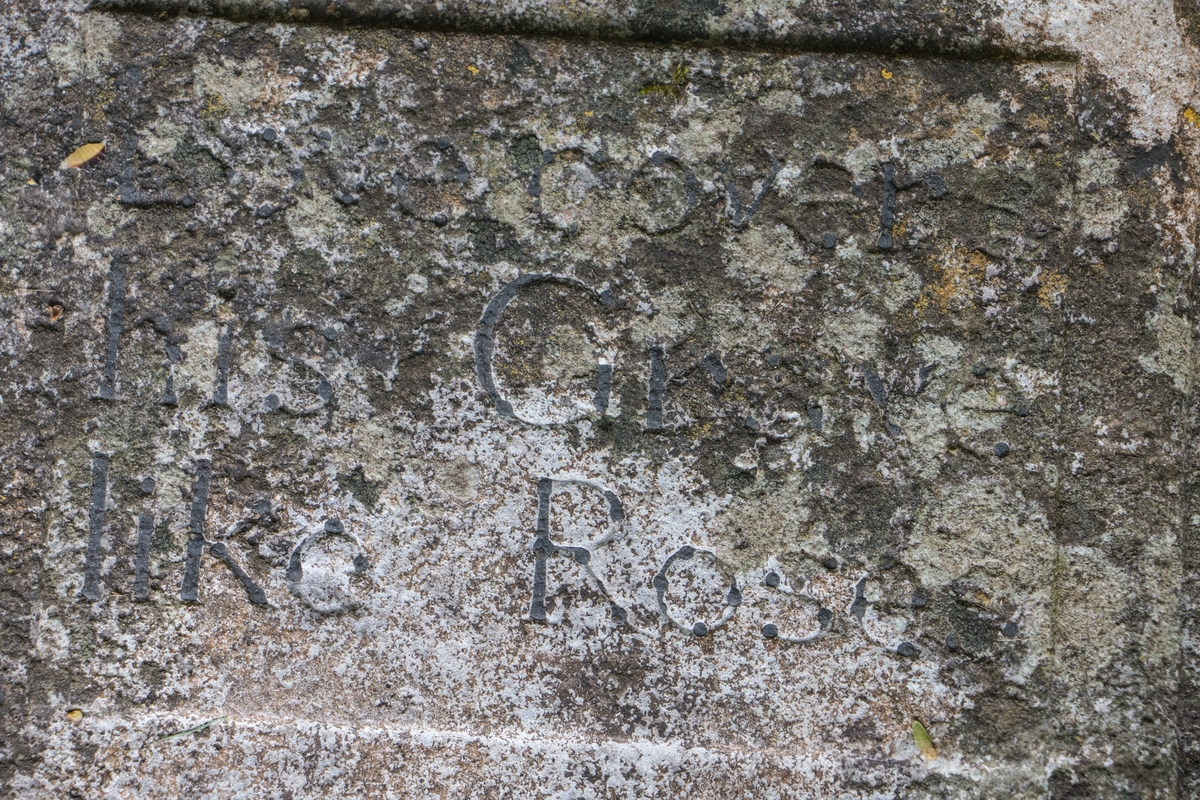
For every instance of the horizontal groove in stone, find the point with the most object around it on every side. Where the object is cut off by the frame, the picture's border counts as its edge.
(964, 28)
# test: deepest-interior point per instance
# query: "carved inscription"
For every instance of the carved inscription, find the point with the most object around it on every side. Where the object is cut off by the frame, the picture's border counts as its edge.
(96, 516)
(686, 571)
(687, 563)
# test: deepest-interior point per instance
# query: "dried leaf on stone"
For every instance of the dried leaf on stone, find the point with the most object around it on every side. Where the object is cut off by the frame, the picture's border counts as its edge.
(924, 743)
(82, 156)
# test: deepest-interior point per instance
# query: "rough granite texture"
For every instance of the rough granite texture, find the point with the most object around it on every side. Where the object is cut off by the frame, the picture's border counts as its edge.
(599, 400)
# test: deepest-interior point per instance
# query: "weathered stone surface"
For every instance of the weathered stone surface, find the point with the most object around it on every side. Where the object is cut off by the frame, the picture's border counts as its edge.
(471, 414)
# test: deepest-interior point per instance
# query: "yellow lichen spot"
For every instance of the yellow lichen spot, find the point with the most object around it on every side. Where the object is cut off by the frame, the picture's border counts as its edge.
(886, 73)
(97, 102)
(923, 742)
(679, 82)
(584, 122)
(1191, 117)
(978, 132)
(1036, 123)
(1053, 286)
(75, 715)
(960, 274)
(471, 68)
(215, 106)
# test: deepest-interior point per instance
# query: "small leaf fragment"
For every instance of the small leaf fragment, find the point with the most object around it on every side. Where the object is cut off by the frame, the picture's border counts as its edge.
(75, 715)
(924, 743)
(886, 73)
(82, 156)
(189, 731)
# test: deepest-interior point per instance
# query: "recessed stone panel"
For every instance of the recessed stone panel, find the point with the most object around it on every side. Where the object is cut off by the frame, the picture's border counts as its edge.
(481, 414)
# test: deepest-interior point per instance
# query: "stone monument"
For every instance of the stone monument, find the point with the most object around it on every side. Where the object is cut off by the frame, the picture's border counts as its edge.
(613, 400)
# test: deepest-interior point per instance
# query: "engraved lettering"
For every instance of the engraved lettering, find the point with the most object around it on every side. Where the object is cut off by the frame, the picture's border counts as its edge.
(544, 547)
(604, 375)
(661, 583)
(485, 340)
(96, 515)
(658, 379)
(326, 593)
(195, 545)
(777, 583)
(224, 345)
(141, 580)
(189, 592)
(741, 214)
(887, 213)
